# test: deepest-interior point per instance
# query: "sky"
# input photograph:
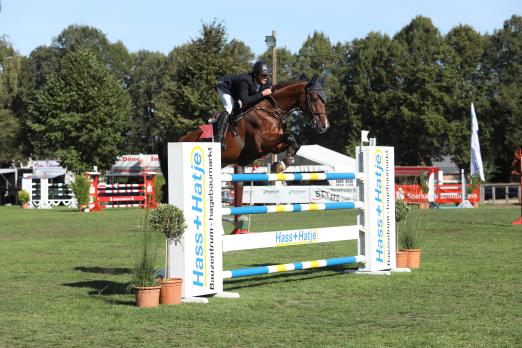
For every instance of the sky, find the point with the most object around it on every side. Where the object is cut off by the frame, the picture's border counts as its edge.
(161, 25)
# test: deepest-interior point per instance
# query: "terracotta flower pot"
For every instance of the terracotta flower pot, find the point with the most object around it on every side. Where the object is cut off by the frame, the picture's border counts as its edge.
(414, 258)
(147, 297)
(401, 259)
(170, 291)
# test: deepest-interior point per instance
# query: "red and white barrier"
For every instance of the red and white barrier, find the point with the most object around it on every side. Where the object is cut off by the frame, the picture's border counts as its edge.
(104, 195)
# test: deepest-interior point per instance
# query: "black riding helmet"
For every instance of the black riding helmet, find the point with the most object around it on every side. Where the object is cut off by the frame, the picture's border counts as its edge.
(261, 68)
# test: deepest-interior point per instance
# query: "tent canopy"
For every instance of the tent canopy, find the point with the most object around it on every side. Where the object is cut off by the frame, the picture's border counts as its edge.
(326, 157)
(7, 170)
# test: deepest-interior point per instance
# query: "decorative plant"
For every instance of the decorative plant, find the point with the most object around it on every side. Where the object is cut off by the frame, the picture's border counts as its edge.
(168, 220)
(80, 187)
(401, 210)
(23, 197)
(159, 181)
(474, 184)
(146, 256)
(423, 182)
(410, 231)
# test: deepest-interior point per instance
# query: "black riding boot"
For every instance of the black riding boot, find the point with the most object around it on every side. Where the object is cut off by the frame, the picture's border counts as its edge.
(221, 127)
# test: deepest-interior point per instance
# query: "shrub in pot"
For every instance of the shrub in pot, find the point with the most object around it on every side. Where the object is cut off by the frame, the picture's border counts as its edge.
(159, 181)
(401, 214)
(169, 221)
(80, 187)
(410, 238)
(23, 198)
(423, 181)
(144, 273)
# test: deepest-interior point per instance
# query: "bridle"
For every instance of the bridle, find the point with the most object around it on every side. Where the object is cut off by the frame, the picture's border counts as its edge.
(316, 115)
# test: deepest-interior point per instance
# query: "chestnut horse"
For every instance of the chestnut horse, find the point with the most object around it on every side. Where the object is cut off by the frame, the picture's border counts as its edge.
(260, 130)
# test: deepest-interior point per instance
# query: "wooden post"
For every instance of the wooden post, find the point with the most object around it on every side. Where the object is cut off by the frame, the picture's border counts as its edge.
(274, 75)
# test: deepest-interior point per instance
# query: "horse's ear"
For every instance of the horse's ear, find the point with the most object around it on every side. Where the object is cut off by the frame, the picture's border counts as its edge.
(302, 76)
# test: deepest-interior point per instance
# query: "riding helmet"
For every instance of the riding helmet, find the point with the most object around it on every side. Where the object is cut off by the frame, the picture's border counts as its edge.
(261, 68)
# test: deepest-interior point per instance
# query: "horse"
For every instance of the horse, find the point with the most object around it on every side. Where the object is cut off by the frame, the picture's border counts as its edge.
(260, 129)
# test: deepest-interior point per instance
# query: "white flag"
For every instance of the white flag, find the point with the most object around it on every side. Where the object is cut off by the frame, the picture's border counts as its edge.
(476, 167)
(364, 136)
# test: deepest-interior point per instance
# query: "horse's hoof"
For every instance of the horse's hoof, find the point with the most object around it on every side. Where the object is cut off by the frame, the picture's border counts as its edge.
(289, 161)
(277, 167)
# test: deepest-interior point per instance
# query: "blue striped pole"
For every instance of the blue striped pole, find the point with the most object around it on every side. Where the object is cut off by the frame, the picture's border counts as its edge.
(290, 177)
(245, 272)
(282, 208)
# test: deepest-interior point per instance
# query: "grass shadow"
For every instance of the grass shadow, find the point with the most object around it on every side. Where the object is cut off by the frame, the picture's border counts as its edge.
(103, 270)
(102, 287)
(284, 277)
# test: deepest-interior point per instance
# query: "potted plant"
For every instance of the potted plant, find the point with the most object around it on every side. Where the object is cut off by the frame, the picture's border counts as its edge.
(80, 187)
(168, 220)
(410, 238)
(401, 214)
(474, 185)
(23, 198)
(144, 280)
(159, 181)
(423, 181)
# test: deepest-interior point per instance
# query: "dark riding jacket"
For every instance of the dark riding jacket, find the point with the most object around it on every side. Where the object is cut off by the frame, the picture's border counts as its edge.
(243, 87)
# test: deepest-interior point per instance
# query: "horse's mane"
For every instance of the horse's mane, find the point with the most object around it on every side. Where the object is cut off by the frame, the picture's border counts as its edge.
(280, 86)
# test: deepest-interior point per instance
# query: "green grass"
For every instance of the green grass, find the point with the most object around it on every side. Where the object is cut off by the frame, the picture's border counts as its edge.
(63, 278)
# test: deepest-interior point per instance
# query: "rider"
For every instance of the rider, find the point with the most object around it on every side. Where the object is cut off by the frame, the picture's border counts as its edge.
(248, 88)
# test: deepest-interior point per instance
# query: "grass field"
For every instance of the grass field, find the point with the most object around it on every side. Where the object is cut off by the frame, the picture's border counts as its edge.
(63, 279)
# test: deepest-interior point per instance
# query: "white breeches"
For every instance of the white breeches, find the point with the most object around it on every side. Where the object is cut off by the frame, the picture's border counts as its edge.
(227, 100)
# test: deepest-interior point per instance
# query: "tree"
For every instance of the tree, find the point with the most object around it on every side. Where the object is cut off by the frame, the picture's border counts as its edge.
(418, 128)
(114, 55)
(503, 67)
(79, 114)
(364, 97)
(144, 86)
(464, 83)
(10, 131)
(190, 79)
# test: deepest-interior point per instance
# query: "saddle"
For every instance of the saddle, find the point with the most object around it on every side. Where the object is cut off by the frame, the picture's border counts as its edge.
(233, 120)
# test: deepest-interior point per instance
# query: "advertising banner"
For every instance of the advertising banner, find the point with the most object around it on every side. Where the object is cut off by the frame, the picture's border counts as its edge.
(198, 258)
(298, 194)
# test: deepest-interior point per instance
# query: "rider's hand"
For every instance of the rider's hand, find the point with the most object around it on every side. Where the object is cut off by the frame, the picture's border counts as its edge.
(266, 92)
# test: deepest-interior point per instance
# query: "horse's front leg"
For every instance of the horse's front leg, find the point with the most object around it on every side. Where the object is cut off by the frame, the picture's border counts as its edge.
(292, 148)
(279, 143)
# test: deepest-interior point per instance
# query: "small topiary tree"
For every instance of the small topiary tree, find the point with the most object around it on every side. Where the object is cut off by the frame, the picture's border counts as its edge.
(401, 211)
(168, 220)
(23, 197)
(80, 187)
(423, 181)
(159, 181)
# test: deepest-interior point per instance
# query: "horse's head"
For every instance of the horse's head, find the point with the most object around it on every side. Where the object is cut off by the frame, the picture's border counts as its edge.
(314, 104)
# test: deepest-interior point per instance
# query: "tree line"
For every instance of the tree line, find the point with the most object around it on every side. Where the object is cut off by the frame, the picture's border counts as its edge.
(85, 100)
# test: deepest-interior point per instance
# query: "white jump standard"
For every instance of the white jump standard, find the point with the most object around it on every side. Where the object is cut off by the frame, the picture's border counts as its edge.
(195, 187)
